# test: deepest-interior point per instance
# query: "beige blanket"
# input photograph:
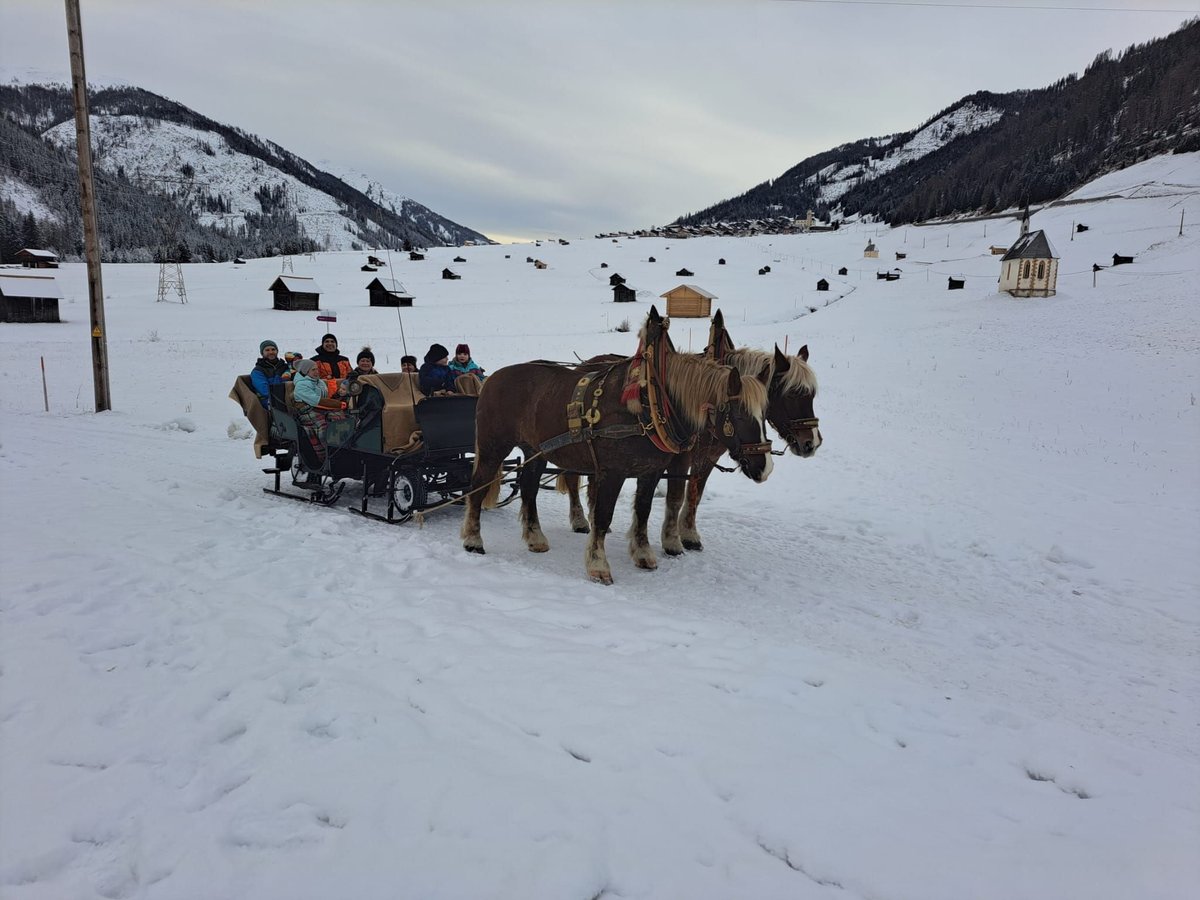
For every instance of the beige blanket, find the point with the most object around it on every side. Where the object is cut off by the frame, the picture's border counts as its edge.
(400, 397)
(243, 395)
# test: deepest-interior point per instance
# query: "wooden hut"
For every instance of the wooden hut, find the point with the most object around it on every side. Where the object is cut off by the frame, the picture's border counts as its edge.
(687, 301)
(1119, 260)
(622, 293)
(296, 292)
(415, 256)
(652, 259)
(604, 265)
(998, 251)
(843, 271)
(900, 255)
(37, 259)
(615, 278)
(822, 285)
(1080, 228)
(538, 264)
(956, 284)
(368, 269)
(684, 273)
(460, 259)
(871, 252)
(388, 292)
(1030, 267)
(721, 261)
(28, 298)
(447, 275)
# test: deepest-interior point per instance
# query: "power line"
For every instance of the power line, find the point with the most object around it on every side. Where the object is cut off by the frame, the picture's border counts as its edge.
(1005, 6)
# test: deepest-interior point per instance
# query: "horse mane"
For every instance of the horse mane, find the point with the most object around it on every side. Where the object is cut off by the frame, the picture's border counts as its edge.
(696, 383)
(750, 362)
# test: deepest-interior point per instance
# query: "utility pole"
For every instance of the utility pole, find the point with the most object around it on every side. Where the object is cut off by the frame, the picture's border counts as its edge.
(87, 202)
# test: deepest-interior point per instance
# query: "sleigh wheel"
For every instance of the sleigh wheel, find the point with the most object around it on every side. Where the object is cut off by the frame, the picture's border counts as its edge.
(408, 493)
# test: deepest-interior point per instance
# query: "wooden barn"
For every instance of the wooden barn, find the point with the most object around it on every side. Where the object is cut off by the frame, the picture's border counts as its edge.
(822, 285)
(689, 302)
(622, 293)
(651, 259)
(843, 271)
(37, 259)
(1119, 260)
(296, 292)
(28, 298)
(388, 292)
(447, 275)
(460, 259)
(1030, 267)
(684, 273)
(871, 252)
(721, 261)
(956, 284)
(415, 256)
(615, 278)
(998, 251)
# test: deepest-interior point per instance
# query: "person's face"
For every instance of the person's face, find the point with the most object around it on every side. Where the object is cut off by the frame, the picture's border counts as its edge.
(444, 361)
(365, 365)
(407, 367)
(462, 357)
(329, 344)
(270, 354)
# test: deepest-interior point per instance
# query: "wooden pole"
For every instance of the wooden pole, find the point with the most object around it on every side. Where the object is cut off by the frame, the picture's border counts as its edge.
(1181, 212)
(87, 202)
(45, 393)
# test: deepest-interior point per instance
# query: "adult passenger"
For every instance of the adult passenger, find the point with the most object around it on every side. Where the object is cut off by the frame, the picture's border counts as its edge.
(269, 370)
(436, 374)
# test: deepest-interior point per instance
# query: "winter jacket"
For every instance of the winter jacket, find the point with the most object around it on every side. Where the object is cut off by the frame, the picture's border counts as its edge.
(332, 366)
(431, 378)
(470, 367)
(266, 373)
(314, 393)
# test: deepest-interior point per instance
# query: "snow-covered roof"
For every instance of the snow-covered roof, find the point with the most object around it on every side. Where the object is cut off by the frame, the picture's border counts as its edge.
(38, 254)
(391, 285)
(15, 285)
(1034, 245)
(691, 287)
(300, 284)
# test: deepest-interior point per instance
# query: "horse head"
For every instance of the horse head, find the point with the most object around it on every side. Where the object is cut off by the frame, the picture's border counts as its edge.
(790, 396)
(738, 425)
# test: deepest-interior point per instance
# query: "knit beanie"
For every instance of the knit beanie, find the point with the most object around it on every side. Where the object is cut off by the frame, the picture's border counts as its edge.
(436, 352)
(326, 337)
(365, 353)
(305, 366)
(462, 348)
(411, 360)
(264, 345)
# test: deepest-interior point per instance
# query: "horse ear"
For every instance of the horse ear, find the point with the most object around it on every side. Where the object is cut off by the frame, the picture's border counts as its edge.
(735, 382)
(654, 316)
(781, 361)
(718, 319)
(803, 354)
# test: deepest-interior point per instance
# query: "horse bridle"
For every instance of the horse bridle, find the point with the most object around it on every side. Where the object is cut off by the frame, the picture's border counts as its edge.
(724, 421)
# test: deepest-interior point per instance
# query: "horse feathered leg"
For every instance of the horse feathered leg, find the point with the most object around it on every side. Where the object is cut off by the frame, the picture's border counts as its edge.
(487, 467)
(695, 491)
(531, 528)
(676, 487)
(607, 488)
(639, 545)
(568, 483)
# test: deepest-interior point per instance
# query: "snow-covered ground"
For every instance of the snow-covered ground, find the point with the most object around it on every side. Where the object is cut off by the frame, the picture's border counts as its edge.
(953, 655)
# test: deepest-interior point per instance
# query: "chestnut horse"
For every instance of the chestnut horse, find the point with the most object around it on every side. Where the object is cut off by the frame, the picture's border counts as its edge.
(526, 405)
(791, 389)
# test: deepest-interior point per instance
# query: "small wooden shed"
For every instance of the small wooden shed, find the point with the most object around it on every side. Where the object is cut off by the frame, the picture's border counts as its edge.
(651, 259)
(615, 278)
(296, 292)
(956, 284)
(687, 301)
(460, 259)
(37, 259)
(415, 256)
(622, 293)
(28, 298)
(843, 271)
(822, 285)
(1119, 260)
(447, 275)
(684, 273)
(721, 261)
(388, 292)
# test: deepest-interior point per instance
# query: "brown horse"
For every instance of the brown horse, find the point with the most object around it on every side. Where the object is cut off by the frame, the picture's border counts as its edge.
(526, 406)
(791, 389)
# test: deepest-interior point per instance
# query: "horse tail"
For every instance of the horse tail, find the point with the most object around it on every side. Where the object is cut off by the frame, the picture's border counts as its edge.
(560, 484)
(492, 497)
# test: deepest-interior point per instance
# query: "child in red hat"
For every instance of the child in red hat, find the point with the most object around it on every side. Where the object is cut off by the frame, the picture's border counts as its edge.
(462, 364)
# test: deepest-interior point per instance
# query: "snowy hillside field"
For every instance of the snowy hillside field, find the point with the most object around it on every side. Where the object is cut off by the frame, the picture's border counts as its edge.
(954, 655)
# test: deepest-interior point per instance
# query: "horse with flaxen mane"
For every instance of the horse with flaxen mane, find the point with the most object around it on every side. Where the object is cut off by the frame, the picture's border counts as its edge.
(587, 422)
(791, 389)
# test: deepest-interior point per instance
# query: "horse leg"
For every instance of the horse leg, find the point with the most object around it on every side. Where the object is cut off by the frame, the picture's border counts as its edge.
(569, 483)
(695, 490)
(676, 486)
(487, 468)
(607, 488)
(531, 528)
(639, 546)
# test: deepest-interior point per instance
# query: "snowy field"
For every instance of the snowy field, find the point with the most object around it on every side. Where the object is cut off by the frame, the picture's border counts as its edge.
(952, 656)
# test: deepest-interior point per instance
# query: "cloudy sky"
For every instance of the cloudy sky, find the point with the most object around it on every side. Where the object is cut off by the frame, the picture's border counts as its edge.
(566, 118)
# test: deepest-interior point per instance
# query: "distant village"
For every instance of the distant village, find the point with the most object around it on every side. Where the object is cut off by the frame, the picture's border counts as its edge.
(742, 228)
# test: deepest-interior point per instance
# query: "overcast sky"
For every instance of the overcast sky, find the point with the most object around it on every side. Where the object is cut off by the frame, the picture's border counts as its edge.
(567, 118)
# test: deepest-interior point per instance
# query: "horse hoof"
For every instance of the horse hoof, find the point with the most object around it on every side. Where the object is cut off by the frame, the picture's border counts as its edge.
(648, 564)
(539, 548)
(693, 545)
(473, 549)
(673, 551)
(584, 530)
(600, 577)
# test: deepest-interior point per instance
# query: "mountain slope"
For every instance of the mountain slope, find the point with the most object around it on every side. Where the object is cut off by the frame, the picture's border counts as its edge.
(997, 151)
(236, 192)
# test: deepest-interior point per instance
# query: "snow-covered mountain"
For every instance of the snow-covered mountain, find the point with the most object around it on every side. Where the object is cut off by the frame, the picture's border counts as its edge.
(234, 187)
